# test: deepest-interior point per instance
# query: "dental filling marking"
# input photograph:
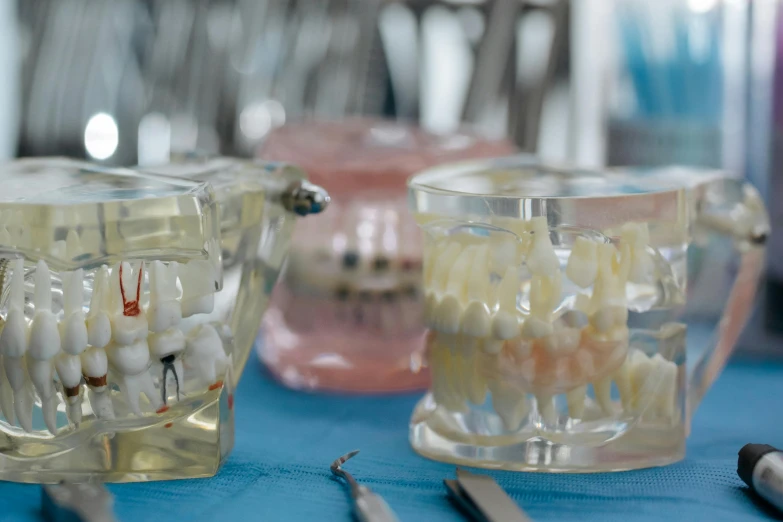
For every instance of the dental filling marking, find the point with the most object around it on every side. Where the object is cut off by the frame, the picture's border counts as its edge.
(131, 308)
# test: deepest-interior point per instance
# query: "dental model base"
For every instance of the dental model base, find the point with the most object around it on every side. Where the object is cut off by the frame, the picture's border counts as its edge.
(556, 340)
(120, 344)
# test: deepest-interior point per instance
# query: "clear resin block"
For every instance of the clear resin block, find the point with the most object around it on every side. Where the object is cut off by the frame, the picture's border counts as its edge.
(129, 302)
(557, 308)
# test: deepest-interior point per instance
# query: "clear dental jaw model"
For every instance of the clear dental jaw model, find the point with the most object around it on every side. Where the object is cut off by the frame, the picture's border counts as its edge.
(120, 345)
(557, 311)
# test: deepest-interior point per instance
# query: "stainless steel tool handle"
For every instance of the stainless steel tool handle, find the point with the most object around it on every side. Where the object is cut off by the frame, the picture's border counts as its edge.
(372, 508)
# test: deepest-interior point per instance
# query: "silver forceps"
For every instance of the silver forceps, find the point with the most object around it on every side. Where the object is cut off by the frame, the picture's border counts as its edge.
(368, 506)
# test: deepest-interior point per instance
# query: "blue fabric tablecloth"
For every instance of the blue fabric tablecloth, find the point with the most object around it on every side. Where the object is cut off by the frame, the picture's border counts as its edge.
(286, 440)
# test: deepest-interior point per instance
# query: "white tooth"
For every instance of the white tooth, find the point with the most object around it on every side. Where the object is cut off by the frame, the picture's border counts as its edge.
(608, 299)
(666, 393)
(130, 354)
(622, 378)
(546, 408)
(204, 353)
(542, 259)
(199, 284)
(44, 344)
(69, 370)
(582, 266)
(6, 396)
(13, 344)
(534, 328)
(448, 314)
(477, 383)
(442, 266)
(544, 295)
(95, 367)
(460, 272)
(576, 401)
(73, 335)
(603, 395)
(73, 245)
(641, 369)
(98, 322)
(638, 264)
(504, 323)
(510, 404)
(476, 321)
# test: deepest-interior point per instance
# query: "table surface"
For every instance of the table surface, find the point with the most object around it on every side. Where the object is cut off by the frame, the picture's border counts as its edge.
(285, 441)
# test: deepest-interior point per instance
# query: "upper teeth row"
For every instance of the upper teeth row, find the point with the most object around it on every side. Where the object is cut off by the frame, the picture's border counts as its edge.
(116, 329)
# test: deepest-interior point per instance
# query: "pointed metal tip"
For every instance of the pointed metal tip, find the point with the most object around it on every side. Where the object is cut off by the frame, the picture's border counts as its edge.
(339, 462)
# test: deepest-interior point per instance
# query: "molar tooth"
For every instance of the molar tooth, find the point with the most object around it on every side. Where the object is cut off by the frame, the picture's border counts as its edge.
(164, 315)
(44, 344)
(13, 343)
(204, 353)
(603, 395)
(542, 259)
(576, 401)
(510, 404)
(582, 266)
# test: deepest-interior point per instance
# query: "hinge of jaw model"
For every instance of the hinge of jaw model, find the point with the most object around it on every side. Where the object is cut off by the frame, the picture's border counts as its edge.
(129, 353)
(166, 340)
(73, 335)
(95, 365)
(44, 346)
(13, 342)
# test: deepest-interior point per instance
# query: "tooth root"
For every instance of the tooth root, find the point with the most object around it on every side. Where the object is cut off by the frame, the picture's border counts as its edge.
(6, 396)
(544, 295)
(42, 376)
(100, 402)
(73, 245)
(98, 322)
(69, 369)
(510, 404)
(22, 391)
(666, 392)
(542, 259)
(641, 369)
(622, 379)
(477, 390)
(204, 353)
(460, 272)
(504, 323)
(442, 266)
(603, 395)
(133, 386)
(478, 276)
(576, 401)
(582, 266)
(546, 408)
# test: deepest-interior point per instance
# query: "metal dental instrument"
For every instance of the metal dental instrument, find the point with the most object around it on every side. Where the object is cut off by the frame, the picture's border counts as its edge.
(69, 502)
(368, 506)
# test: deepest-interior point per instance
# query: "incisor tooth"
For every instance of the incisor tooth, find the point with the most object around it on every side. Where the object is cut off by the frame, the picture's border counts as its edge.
(542, 259)
(582, 266)
(576, 401)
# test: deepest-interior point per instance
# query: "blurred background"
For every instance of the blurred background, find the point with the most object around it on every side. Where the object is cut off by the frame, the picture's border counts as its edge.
(591, 82)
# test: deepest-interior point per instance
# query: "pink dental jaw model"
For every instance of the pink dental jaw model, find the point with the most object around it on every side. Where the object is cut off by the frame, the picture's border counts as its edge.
(347, 315)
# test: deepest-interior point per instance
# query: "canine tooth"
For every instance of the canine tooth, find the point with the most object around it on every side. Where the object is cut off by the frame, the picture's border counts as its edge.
(542, 259)
(546, 408)
(199, 284)
(73, 335)
(582, 266)
(510, 404)
(204, 353)
(44, 345)
(576, 401)
(13, 343)
(603, 395)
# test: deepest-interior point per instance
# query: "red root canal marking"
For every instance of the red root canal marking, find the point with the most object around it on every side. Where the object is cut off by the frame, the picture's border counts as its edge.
(162, 409)
(215, 386)
(231, 401)
(169, 425)
(131, 308)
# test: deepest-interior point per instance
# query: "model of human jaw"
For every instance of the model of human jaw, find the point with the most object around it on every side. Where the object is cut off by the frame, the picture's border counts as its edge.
(515, 334)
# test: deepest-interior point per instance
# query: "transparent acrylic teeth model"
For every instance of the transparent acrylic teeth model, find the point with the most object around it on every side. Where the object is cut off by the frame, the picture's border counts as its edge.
(556, 303)
(129, 302)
